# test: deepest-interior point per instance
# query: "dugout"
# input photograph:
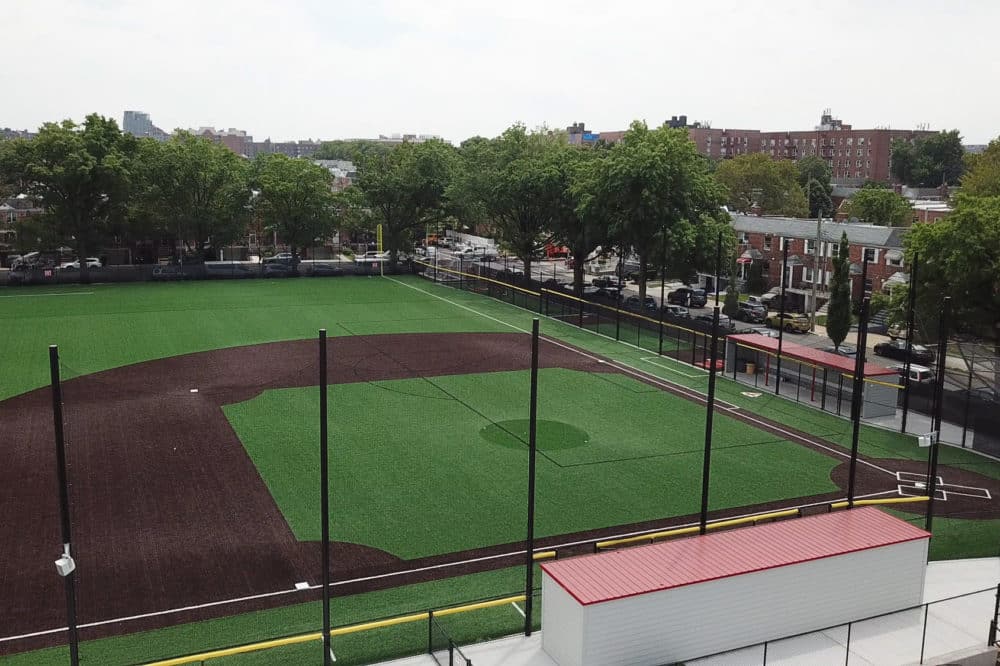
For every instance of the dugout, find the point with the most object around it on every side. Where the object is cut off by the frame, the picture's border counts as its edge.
(818, 377)
(683, 599)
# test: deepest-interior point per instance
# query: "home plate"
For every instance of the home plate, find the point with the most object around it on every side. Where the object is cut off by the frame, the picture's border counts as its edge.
(750, 394)
(302, 586)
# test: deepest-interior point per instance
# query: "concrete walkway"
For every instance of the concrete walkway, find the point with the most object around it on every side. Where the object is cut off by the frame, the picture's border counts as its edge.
(954, 628)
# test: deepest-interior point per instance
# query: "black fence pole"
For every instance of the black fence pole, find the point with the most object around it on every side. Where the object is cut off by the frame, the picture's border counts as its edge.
(857, 398)
(461, 272)
(911, 304)
(68, 566)
(968, 399)
(324, 482)
(706, 467)
(942, 352)
(618, 315)
(992, 638)
(781, 315)
(529, 564)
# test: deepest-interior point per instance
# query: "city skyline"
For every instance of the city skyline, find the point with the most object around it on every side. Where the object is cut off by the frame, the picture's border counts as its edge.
(459, 69)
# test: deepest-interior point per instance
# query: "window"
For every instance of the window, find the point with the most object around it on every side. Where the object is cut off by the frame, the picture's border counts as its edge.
(858, 164)
(814, 143)
(894, 258)
(861, 141)
(868, 164)
(767, 242)
(850, 141)
(744, 237)
(871, 255)
(781, 245)
(810, 247)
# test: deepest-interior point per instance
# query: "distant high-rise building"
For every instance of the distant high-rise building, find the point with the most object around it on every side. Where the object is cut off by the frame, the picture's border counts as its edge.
(137, 123)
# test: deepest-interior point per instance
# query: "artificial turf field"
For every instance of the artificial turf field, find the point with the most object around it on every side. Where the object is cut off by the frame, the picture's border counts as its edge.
(427, 465)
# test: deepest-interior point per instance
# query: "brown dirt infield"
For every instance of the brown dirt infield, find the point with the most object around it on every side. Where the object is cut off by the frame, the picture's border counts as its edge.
(169, 511)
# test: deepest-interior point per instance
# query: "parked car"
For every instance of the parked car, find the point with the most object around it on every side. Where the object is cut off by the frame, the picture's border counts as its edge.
(766, 332)
(849, 351)
(277, 269)
(754, 313)
(793, 322)
(633, 275)
(607, 282)
(371, 257)
(327, 270)
(724, 320)
(635, 303)
(919, 374)
(897, 349)
(92, 262)
(692, 298)
(678, 311)
(281, 257)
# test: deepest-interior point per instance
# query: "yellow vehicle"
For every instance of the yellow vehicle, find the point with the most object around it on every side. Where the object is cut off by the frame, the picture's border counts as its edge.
(793, 322)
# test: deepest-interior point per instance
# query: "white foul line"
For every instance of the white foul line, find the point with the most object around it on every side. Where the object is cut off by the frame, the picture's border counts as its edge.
(62, 293)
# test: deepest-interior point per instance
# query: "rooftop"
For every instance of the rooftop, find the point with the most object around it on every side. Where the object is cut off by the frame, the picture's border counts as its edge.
(870, 235)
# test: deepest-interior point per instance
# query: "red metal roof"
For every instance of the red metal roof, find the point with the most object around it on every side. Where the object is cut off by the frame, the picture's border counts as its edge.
(808, 354)
(592, 579)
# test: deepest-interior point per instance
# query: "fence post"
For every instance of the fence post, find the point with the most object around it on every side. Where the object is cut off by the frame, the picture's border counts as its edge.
(822, 405)
(923, 634)
(968, 397)
(461, 272)
(618, 316)
(992, 638)
(765, 653)
(847, 648)
(430, 632)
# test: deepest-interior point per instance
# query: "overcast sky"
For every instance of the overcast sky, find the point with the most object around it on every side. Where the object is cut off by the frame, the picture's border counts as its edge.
(337, 69)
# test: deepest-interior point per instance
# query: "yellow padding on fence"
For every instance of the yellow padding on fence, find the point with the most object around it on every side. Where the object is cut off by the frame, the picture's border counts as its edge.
(243, 649)
(876, 502)
(505, 285)
(544, 555)
(652, 536)
(339, 631)
(479, 606)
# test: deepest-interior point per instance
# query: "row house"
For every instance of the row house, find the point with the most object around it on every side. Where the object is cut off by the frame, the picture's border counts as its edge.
(764, 238)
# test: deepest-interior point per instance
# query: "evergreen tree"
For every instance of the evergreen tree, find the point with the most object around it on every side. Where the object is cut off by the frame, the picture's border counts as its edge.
(838, 317)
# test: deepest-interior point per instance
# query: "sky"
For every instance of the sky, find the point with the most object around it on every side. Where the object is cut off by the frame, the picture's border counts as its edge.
(328, 69)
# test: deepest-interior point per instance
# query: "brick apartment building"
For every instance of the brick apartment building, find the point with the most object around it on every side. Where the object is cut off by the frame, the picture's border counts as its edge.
(854, 155)
(12, 211)
(763, 239)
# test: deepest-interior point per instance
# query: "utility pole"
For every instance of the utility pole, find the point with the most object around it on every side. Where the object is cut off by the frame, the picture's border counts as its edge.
(816, 256)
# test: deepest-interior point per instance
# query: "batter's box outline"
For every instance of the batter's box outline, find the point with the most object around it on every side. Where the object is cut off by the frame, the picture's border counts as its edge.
(914, 485)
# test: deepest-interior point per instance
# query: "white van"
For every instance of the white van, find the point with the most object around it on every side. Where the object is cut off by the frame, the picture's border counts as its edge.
(919, 374)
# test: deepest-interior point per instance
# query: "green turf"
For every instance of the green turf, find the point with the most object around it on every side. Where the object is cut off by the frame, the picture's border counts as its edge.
(419, 468)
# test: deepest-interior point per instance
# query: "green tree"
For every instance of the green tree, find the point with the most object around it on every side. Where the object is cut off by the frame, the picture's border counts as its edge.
(757, 180)
(404, 190)
(294, 199)
(960, 257)
(928, 161)
(838, 316)
(82, 176)
(196, 191)
(518, 183)
(732, 302)
(354, 149)
(882, 207)
(579, 223)
(655, 189)
(814, 178)
(983, 176)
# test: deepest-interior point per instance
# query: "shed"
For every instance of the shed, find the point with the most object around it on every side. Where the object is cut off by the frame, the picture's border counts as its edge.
(687, 598)
(820, 373)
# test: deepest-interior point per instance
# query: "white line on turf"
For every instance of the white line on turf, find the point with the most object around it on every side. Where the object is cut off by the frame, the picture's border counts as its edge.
(636, 372)
(459, 563)
(649, 359)
(518, 608)
(62, 293)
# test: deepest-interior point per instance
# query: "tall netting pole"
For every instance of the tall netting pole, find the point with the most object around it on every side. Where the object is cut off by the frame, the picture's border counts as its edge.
(65, 564)
(942, 352)
(911, 302)
(781, 316)
(857, 398)
(706, 469)
(529, 560)
(324, 482)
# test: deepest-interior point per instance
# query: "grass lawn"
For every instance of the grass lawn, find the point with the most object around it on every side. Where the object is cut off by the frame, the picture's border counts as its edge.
(428, 466)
